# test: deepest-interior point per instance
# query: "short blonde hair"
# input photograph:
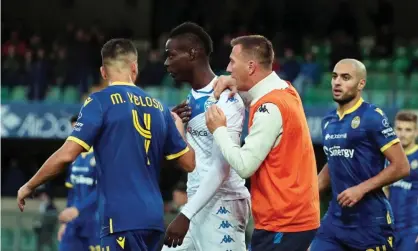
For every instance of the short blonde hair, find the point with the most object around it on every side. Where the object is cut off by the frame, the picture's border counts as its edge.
(258, 47)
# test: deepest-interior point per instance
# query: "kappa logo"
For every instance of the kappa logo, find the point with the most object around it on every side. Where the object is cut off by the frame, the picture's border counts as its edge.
(223, 210)
(121, 242)
(227, 239)
(263, 109)
(225, 224)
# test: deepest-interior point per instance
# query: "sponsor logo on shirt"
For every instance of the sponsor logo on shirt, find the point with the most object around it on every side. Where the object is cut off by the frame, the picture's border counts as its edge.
(336, 136)
(79, 169)
(337, 151)
(402, 184)
(198, 133)
(80, 179)
(388, 132)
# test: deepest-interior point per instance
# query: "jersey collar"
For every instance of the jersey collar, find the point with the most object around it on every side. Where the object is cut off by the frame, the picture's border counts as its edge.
(208, 89)
(121, 83)
(412, 150)
(266, 85)
(352, 109)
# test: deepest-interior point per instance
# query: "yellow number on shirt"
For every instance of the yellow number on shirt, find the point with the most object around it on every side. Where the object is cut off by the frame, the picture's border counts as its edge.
(382, 248)
(94, 248)
(144, 132)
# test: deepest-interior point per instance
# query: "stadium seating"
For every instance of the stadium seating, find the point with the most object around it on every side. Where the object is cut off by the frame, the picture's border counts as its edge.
(54, 94)
(18, 93)
(5, 93)
(71, 95)
(388, 82)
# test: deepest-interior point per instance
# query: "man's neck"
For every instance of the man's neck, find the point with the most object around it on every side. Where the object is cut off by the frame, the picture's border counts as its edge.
(257, 78)
(120, 80)
(345, 107)
(201, 77)
(409, 147)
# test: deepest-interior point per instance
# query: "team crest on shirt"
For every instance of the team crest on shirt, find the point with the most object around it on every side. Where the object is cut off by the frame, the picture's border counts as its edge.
(210, 101)
(355, 122)
(414, 164)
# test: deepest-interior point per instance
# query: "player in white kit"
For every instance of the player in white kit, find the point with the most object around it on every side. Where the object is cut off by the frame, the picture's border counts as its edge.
(217, 212)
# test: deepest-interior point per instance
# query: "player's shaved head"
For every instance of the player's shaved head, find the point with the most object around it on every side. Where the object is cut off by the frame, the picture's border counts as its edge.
(348, 80)
(359, 67)
(193, 37)
(119, 53)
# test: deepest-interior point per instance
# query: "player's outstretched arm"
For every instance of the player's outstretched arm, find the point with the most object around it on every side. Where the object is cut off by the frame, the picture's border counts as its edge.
(324, 179)
(52, 166)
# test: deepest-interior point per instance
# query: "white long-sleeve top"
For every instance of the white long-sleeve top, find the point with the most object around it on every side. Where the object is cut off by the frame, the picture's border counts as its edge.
(264, 134)
(212, 176)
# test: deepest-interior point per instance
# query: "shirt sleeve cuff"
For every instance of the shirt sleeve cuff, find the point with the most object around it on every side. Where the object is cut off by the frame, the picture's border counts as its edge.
(80, 142)
(187, 212)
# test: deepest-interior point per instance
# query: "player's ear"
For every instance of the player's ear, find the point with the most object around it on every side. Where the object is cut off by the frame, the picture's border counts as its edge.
(134, 68)
(251, 67)
(103, 72)
(192, 53)
(361, 85)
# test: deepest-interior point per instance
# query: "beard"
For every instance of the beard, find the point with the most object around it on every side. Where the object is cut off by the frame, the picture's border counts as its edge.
(344, 99)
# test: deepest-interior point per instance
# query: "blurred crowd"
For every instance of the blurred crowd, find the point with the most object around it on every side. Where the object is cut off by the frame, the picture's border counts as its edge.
(39, 60)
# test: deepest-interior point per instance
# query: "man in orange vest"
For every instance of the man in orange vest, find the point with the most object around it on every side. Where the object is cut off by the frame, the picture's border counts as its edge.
(278, 154)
